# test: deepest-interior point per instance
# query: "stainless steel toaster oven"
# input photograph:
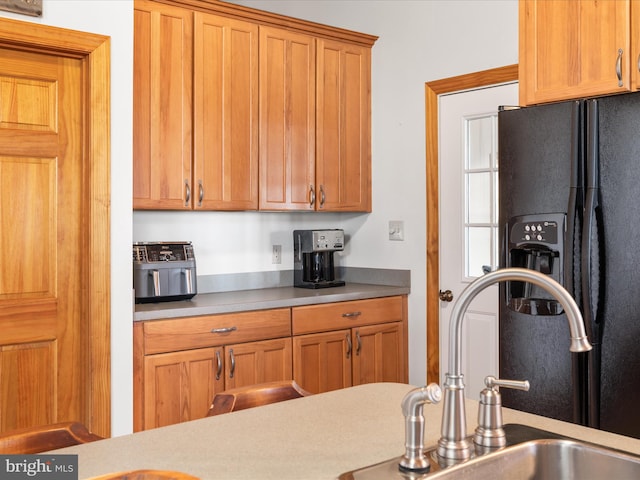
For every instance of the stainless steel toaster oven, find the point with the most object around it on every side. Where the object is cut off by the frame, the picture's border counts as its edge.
(164, 271)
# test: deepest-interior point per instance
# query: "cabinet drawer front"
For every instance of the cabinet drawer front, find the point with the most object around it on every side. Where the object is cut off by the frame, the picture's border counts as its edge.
(334, 316)
(214, 330)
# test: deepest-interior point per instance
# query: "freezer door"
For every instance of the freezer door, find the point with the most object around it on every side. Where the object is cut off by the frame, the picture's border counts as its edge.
(540, 158)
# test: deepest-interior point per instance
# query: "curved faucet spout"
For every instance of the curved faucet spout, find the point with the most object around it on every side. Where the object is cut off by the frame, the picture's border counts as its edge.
(579, 341)
(453, 444)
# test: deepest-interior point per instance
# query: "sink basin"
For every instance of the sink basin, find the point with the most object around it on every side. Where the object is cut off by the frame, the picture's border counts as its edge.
(530, 454)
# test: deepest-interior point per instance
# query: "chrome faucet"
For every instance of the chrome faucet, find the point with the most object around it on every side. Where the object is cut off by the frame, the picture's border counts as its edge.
(453, 444)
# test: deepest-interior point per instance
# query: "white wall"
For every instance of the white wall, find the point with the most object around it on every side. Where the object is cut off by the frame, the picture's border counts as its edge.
(115, 19)
(420, 41)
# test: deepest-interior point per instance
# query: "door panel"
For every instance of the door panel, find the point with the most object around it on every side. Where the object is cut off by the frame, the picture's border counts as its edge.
(480, 328)
(378, 354)
(258, 362)
(322, 361)
(27, 402)
(41, 177)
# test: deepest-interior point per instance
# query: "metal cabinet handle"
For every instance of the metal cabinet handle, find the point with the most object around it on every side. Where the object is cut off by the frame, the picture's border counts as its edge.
(219, 361)
(619, 67)
(351, 314)
(232, 359)
(187, 193)
(200, 193)
(224, 329)
(349, 346)
(188, 280)
(358, 343)
(156, 282)
(322, 196)
(312, 195)
(638, 63)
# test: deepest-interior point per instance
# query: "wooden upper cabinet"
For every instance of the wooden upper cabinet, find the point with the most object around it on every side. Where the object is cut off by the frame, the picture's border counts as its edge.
(287, 120)
(238, 109)
(225, 107)
(343, 126)
(574, 48)
(635, 45)
(162, 89)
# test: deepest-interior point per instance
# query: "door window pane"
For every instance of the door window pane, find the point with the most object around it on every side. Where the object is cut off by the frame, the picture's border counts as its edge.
(481, 193)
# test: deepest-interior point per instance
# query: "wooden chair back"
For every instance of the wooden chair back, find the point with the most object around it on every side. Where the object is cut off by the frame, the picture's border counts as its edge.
(146, 475)
(254, 396)
(44, 438)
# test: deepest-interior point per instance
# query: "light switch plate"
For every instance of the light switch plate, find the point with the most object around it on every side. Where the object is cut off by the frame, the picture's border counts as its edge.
(396, 230)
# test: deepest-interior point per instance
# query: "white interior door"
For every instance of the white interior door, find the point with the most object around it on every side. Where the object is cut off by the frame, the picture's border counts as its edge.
(468, 166)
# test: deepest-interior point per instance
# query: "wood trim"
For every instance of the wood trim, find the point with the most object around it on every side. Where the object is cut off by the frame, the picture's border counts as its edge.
(275, 20)
(94, 51)
(432, 91)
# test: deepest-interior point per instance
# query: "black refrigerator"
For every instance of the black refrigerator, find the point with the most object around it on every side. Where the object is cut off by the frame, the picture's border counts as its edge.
(569, 206)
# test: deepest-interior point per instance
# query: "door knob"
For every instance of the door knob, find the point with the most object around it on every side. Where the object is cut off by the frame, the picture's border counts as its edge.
(446, 296)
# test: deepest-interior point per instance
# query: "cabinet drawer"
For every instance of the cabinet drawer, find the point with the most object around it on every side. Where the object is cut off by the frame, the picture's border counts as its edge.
(334, 316)
(215, 330)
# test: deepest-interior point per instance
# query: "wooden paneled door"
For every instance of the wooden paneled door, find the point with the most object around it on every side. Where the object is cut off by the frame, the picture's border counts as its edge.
(54, 228)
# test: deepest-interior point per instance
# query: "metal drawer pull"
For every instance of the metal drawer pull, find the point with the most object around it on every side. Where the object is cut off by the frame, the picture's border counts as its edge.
(224, 330)
(219, 360)
(232, 357)
(187, 193)
(351, 314)
(358, 343)
(348, 345)
(619, 67)
(312, 195)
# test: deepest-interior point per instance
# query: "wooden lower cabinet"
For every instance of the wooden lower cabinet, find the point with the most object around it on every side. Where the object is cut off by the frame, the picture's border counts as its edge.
(378, 354)
(322, 361)
(179, 386)
(340, 359)
(258, 362)
(327, 356)
(181, 363)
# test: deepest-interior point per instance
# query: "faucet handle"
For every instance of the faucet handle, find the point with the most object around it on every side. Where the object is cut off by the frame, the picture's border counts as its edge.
(492, 382)
(489, 432)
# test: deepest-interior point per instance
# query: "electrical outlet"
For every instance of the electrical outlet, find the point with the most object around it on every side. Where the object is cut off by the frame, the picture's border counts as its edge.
(276, 254)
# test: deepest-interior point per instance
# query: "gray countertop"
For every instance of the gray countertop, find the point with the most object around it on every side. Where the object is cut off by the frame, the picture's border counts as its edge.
(316, 437)
(261, 299)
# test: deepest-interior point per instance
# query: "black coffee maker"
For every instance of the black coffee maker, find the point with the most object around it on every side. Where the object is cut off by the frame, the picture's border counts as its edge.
(313, 257)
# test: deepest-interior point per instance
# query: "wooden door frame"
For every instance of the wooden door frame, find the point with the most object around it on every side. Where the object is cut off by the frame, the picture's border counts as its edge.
(94, 53)
(432, 91)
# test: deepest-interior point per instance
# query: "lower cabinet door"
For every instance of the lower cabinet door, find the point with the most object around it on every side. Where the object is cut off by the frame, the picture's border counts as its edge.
(258, 362)
(322, 361)
(179, 386)
(378, 354)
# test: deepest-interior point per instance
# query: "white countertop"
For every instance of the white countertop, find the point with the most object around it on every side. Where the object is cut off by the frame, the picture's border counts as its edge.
(316, 437)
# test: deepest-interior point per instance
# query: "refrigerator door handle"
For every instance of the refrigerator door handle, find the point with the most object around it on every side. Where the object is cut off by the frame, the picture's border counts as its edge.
(590, 247)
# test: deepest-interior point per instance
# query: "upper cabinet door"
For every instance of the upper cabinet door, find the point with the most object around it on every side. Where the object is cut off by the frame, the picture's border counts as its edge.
(225, 107)
(162, 106)
(287, 122)
(343, 127)
(635, 45)
(573, 49)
